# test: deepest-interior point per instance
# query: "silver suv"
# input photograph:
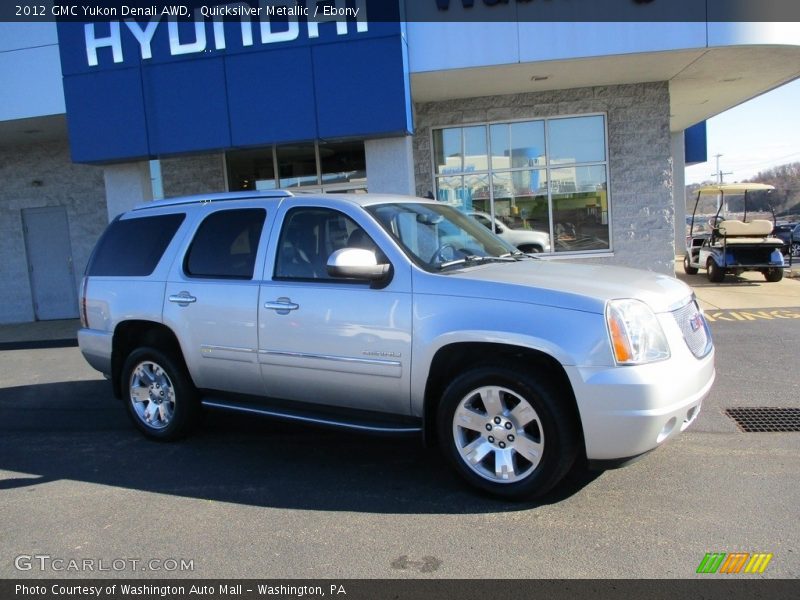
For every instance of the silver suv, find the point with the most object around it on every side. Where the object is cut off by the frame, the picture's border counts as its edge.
(391, 315)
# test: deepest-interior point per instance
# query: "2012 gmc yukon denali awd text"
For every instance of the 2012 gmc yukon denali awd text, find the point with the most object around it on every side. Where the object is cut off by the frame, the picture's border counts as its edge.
(391, 314)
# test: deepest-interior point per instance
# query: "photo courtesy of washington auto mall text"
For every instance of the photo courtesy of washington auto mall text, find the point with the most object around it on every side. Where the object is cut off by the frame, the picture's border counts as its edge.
(161, 590)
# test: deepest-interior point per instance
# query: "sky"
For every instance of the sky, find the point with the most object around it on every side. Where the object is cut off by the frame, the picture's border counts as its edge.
(761, 133)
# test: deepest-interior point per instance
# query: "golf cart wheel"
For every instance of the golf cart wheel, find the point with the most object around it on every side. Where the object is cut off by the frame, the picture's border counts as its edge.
(773, 275)
(687, 265)
(716, 274)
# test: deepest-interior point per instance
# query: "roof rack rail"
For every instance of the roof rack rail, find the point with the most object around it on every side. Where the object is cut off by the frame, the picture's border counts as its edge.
(216, 197)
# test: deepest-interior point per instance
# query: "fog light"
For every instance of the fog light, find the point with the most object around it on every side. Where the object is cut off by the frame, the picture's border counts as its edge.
(666, 430)
(690, 416)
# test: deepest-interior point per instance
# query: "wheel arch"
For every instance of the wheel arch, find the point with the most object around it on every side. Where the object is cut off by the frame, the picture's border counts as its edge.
(132, 334)
(455, 358)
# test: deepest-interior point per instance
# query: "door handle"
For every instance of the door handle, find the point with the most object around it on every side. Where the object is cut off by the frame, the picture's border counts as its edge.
(282, 305)
(182, 299)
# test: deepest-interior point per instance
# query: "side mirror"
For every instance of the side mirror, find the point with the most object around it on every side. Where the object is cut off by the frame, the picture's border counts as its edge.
(357, 263)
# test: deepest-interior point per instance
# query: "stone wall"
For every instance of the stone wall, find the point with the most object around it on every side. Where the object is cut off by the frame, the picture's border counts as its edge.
(197, 174)
(640, 161)
(40, 175)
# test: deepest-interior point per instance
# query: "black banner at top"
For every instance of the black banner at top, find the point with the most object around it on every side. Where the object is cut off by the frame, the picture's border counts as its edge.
(407, 10)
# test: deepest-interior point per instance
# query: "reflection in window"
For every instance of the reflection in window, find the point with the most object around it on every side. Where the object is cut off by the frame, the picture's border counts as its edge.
(580, 208)
(342, 167)
(577, 140)
(342, 162)
(447, 144)
(520, 170)
(251, 170)
(297, 165)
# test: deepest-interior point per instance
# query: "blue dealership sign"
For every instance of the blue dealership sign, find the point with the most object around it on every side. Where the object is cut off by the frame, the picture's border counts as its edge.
(148, 87)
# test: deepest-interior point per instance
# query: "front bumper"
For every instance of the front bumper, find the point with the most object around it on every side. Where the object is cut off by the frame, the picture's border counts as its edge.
(627, 411)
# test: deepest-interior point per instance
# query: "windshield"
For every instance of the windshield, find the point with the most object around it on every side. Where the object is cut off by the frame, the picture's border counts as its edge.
(437, 236)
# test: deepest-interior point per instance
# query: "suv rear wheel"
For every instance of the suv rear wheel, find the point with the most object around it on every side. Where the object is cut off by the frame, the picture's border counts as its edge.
(506, 432)
(161, 399)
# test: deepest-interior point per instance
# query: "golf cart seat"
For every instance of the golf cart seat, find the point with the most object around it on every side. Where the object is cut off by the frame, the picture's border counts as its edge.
(740, 232)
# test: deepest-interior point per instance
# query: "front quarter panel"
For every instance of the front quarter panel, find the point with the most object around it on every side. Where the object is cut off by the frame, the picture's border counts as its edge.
(571, 337)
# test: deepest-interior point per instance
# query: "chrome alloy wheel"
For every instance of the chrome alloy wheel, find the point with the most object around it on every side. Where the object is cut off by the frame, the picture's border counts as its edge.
(152, 395)
(498, 434)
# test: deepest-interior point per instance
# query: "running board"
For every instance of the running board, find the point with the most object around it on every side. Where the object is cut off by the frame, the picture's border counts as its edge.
(354, 423)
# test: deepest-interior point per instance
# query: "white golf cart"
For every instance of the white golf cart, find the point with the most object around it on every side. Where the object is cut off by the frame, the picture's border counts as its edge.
(729, 234)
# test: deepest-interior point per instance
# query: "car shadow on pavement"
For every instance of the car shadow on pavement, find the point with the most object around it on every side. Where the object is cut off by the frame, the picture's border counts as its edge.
(76, 430)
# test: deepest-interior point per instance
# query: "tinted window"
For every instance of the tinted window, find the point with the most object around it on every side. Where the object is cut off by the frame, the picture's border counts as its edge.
(310, 236)
(226, 244)
(133, 247)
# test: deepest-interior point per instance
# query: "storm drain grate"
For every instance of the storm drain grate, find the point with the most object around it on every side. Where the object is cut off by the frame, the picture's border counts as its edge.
(765, 420)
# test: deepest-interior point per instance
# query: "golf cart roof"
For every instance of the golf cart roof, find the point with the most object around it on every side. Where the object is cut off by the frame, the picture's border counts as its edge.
(734, 188)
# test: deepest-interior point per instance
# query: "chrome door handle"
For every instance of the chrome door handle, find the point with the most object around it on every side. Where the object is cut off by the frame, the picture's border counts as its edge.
(182, 299)
(283, 305)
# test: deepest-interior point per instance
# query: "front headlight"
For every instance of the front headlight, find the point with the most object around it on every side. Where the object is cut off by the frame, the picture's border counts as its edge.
(635, 333)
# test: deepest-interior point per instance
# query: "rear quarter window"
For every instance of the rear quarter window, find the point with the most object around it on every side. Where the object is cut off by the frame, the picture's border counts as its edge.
(133, 247)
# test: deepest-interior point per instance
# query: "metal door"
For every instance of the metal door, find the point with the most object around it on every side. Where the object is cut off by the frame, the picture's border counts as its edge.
(50, 266)
(329, 341)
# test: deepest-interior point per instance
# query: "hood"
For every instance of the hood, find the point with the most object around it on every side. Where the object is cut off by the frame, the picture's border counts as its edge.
(556, 283)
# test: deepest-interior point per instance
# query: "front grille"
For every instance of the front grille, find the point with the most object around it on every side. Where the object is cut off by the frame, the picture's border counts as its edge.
(694, 328)
(765, 420)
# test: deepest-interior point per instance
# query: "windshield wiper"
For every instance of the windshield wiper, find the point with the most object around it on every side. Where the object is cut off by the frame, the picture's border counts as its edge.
(474, 260)
(517, 255)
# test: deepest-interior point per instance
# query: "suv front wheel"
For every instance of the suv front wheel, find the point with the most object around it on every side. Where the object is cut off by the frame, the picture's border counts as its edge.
(161, 399)
(507, 432)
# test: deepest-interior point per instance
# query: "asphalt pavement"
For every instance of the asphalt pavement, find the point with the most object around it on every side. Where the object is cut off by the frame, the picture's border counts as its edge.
(248, 497)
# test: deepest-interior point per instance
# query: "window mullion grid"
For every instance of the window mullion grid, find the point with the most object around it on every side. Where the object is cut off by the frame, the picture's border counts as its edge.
(276, 177)
(318, 162)
(490, 173)
(549, 185)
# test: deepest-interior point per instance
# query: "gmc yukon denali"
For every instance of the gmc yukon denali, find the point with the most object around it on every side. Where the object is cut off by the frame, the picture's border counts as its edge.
(392, 315)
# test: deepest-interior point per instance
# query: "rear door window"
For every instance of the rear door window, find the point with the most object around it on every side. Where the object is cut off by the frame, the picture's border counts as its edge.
(133, 247)
(226, 244)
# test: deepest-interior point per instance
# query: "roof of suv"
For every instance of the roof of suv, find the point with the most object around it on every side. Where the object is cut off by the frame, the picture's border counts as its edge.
(360, 199)
(201, 198)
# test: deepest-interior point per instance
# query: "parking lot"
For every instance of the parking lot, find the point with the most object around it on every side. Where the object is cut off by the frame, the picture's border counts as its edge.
(254, 498)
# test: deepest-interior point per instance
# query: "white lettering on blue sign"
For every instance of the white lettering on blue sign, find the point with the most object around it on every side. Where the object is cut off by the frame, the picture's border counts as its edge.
(181, 42)
(177, 48)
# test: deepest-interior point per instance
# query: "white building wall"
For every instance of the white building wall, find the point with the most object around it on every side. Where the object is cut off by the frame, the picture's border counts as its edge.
(30, 71)
(390, 165)
(437, 46)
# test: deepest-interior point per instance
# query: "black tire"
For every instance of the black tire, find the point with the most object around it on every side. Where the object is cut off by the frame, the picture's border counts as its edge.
(150, 366)
(554, 425)
(773, 275)
(687, 266)
(530, 249)
(716, 274)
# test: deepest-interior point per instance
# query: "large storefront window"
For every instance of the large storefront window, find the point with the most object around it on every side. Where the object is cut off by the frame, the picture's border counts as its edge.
(314, 166)
(548, 175)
